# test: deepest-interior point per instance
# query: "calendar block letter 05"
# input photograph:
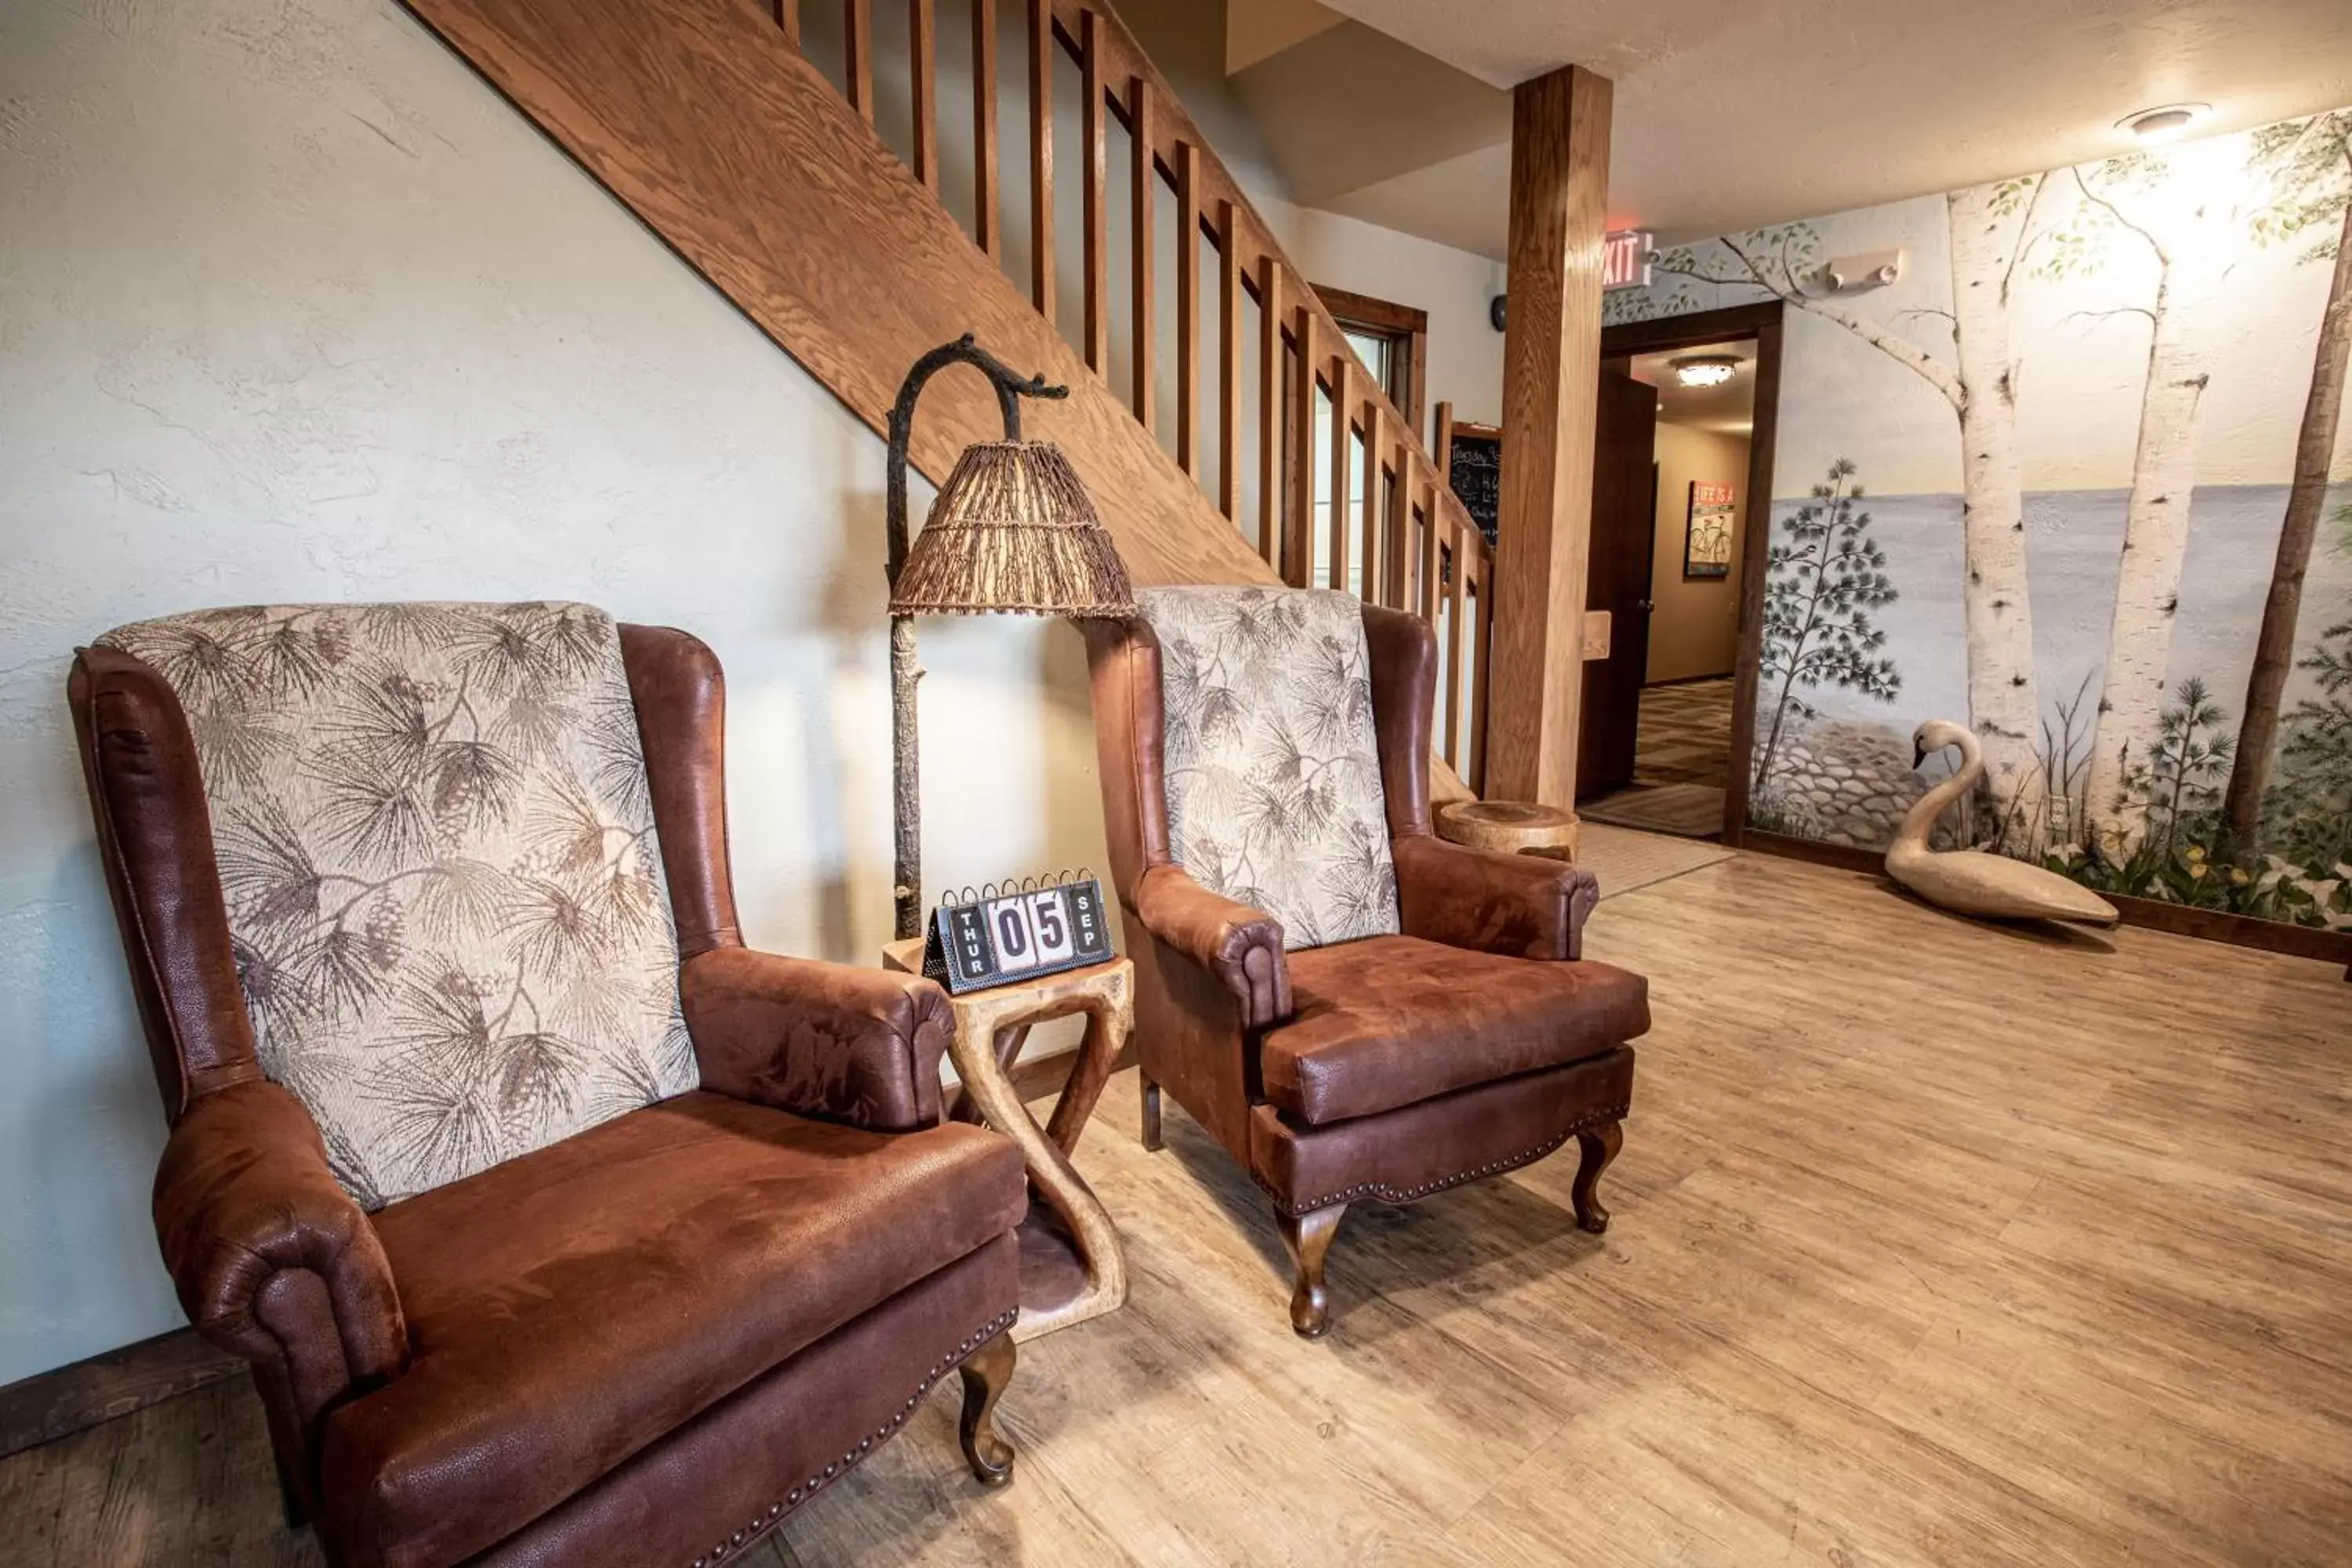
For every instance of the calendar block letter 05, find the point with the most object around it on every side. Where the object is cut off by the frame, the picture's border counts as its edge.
(1049, 918)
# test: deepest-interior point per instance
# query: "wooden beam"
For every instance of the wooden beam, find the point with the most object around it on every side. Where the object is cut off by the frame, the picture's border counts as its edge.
(1551, 367)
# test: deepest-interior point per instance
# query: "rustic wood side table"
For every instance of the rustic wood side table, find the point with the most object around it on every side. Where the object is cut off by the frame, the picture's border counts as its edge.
(1514, 827)
(1072, 1267)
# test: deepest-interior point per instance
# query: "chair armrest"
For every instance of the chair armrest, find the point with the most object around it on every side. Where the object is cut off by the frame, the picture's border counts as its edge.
(1520, 906)
(828, 1040)
(272, 1260)
(1240, 945)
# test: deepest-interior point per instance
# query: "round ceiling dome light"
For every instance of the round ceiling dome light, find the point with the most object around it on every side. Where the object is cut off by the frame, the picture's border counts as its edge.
(2164, 121)
(1705, 370)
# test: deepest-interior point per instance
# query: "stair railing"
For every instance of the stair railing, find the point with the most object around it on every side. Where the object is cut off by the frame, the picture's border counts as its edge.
(1389, 528)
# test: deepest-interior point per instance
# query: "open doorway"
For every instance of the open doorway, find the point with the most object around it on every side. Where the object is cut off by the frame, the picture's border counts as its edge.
(1674, 559)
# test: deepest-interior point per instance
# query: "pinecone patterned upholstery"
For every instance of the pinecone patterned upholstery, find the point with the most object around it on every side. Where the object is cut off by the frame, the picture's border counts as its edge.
(1273, 771)
(436, 844)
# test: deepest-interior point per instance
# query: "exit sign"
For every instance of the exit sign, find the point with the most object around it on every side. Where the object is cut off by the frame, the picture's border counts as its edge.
(1625, 259)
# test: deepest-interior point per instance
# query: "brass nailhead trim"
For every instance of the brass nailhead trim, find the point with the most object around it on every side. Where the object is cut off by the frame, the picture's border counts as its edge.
(1387, 1194)
(776, 1510)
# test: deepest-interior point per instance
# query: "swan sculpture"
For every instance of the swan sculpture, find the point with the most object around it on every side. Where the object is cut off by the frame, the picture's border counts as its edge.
(1972, 882)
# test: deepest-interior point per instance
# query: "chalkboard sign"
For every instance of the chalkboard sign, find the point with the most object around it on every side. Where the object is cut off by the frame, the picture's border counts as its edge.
(1478, 479)
(999, 935)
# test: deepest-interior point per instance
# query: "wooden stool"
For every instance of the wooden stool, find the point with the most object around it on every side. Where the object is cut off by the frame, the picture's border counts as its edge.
(1512, 827)
(1072, 1267)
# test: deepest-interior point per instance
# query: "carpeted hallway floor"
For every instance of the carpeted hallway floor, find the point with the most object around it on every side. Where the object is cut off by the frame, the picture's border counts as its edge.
(1682, 762)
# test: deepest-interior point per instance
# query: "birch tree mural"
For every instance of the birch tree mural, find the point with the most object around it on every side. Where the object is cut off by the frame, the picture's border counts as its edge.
(2178, 209)
(2216, 276)
(2308, 164)
(1990, 228)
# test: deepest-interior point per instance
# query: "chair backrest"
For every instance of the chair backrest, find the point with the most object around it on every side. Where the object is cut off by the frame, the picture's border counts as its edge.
(433, 838)
(1271, 764)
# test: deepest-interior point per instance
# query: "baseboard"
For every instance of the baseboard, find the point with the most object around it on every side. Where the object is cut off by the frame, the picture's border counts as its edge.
(2150, 914)
(52, 1404)
(1844, 856)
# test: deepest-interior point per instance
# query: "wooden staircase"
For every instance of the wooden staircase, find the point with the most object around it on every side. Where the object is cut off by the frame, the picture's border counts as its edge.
(768, 176)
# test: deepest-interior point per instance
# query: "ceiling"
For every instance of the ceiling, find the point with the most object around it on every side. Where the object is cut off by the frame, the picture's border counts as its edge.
(1729, 116)
(1729, 409)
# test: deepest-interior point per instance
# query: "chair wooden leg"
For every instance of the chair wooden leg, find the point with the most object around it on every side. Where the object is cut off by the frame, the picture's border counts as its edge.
(985, 1374)
(1308, 1237)
(289, 1500)
(1598, 1147)
(1151, 1145)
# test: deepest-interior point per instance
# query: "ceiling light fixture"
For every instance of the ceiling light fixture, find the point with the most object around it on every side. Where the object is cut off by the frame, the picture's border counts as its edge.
(1705, 370)
(2164, 121)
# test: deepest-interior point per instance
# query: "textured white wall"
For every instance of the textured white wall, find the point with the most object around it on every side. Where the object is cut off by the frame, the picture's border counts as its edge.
(293, 306)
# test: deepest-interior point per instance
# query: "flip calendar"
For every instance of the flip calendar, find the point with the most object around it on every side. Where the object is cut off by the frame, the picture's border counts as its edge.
(1017, 932)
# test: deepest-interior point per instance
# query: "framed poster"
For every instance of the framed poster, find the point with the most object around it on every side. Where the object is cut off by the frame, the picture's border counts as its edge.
(1707, 543)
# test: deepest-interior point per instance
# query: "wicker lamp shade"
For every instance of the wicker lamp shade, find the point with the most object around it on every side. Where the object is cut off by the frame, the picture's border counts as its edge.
(1013, 533)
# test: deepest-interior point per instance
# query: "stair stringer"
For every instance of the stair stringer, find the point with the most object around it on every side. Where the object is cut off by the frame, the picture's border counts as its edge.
(741, 155)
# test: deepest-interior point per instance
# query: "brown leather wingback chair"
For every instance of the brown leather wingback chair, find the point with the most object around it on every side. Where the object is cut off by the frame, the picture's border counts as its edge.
(1462, 1038)
(644, 1342)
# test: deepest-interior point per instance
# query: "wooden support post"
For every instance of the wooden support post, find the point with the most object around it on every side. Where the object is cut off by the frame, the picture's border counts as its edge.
(1551, 370)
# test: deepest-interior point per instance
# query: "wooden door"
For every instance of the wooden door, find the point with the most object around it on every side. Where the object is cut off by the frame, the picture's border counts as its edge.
(1624, 521)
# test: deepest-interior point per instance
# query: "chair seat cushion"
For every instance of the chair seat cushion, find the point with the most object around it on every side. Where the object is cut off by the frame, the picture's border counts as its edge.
(1392, 1020)
(570, 1307)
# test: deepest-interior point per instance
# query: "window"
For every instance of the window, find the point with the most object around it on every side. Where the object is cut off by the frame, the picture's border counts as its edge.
(1393, 341)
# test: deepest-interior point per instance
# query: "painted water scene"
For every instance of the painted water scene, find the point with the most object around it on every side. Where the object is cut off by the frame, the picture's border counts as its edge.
(2077, 479)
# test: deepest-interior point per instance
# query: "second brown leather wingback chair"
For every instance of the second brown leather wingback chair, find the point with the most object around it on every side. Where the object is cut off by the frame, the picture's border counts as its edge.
(1419, 1016)
(557, 1225)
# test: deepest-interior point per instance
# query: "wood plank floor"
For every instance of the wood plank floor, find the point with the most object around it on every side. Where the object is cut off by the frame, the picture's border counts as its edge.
(1933, 1244)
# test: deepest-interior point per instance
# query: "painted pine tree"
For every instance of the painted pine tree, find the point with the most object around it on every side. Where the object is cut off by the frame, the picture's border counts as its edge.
(1821, 581)
(1991, 229)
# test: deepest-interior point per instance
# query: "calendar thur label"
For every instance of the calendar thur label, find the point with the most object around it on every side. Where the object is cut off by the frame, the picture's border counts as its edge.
(1018, 936)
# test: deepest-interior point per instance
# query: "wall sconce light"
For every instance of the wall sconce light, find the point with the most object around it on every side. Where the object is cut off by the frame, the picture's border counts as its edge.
(1705, 370)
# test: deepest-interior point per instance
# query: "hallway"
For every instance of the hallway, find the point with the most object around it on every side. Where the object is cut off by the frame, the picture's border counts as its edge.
(1682, 762)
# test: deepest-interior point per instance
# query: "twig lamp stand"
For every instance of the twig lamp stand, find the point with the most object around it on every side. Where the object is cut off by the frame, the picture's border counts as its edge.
(1013, 533)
